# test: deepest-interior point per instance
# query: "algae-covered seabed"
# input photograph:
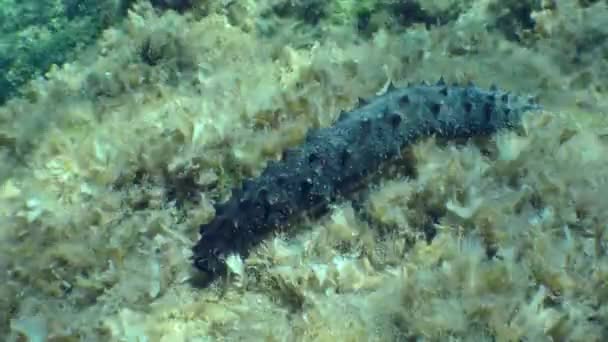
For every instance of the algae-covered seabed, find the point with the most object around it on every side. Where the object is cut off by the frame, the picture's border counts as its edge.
(112, 161)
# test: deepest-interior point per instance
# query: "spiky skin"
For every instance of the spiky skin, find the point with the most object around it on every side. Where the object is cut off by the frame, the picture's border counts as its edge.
(333, 159)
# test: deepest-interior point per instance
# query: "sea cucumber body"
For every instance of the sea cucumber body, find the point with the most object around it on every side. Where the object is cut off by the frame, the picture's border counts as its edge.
(334, 159)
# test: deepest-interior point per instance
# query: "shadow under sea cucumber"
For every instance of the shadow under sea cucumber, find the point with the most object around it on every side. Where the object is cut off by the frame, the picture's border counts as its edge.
(333, 159)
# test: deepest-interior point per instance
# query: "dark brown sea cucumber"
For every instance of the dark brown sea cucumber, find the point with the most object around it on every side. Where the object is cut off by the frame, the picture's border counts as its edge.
(331, 160)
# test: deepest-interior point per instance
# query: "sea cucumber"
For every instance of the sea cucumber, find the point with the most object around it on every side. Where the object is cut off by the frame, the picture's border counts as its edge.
(333, 159)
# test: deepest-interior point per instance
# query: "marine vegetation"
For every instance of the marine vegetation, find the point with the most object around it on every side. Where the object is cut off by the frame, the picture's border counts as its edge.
(465, 213)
